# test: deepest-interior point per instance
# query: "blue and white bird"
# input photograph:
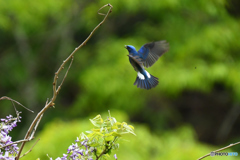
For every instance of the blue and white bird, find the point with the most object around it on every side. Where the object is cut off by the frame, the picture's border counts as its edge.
(147, 55)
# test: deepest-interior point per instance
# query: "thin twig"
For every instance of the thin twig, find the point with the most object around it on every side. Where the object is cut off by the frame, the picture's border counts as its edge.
(59, 87)
(47, 101)
(105, 150)
(104, 7)
(55, 91)
(30, 149)
(230, 145)
(16, 142)
(76, 49)
(14, 107)
(10, 99)
(35, 128)
(17, 113)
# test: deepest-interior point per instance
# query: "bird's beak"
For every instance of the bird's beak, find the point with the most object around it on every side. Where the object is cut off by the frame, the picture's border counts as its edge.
(125, 46)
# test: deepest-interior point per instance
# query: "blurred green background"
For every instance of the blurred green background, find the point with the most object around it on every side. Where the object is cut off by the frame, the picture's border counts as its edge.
(194, 109)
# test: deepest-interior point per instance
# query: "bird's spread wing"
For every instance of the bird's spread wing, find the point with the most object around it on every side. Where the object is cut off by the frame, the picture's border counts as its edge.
(136, 61)
(150, 52)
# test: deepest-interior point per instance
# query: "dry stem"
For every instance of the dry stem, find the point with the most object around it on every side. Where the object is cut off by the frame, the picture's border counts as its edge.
(230, 145)
(57, 89)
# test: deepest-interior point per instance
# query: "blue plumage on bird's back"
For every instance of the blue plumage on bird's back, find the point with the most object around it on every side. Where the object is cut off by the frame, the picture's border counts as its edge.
(143, 52)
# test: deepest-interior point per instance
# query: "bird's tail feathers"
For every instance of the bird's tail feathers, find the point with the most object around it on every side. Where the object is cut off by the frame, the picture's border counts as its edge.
(146, 83)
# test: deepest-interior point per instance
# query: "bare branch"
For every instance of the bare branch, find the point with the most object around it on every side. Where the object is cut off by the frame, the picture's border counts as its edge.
(16, 142)
(104, 7)
(35, 128)
(76, 49)
(10, 99)
(55, 90)
(30, 149)
(59, 87)
(17, 113)
(230, 145)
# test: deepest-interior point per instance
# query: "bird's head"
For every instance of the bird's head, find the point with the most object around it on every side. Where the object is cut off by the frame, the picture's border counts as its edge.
(130, 48)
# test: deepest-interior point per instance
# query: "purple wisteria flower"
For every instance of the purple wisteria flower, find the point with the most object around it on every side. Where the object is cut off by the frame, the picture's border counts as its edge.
(78, 151)
(6, 125)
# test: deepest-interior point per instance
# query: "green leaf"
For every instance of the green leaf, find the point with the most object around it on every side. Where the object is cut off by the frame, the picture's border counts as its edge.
(109, 138)
(97, 121)
(116, 134)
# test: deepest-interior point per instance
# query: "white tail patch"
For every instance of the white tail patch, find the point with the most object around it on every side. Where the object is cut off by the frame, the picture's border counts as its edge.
(140, 75)
(148, 75)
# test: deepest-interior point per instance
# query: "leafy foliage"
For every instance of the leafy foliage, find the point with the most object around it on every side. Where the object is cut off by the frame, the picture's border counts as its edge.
(103, 139)
(180, 142)
(95, 144)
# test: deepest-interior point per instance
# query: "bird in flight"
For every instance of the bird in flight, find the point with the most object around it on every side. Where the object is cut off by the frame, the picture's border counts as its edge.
(147, 55)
